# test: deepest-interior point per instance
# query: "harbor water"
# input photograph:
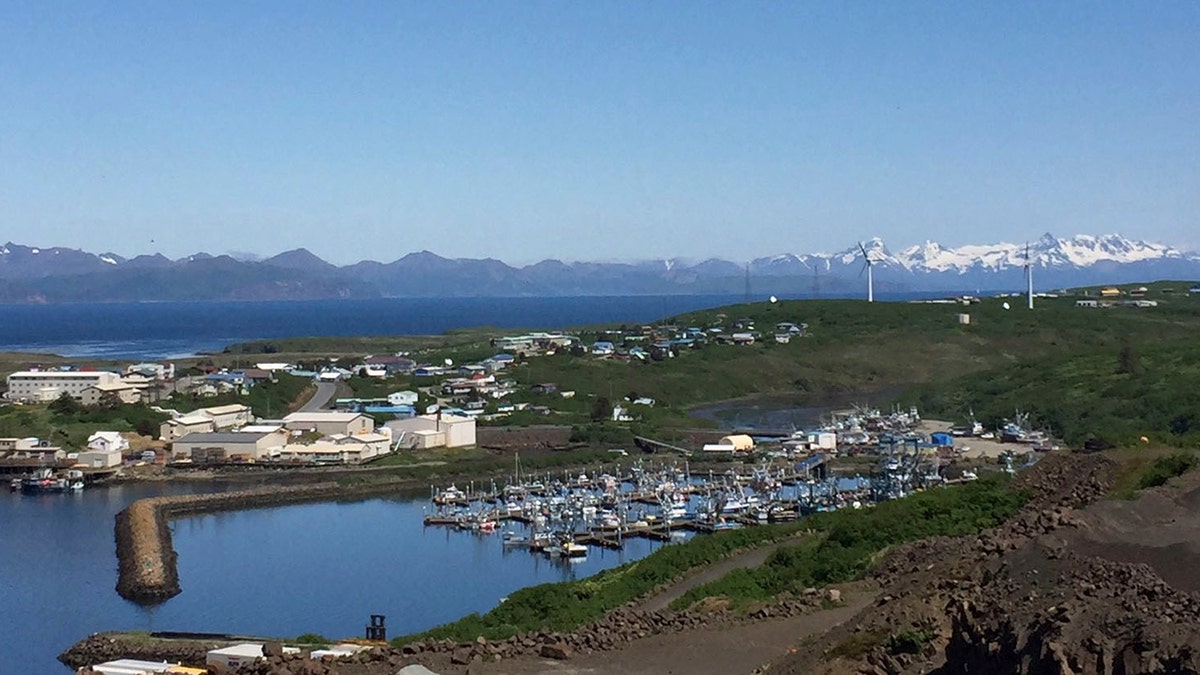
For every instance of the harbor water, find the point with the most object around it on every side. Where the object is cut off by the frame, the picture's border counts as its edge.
(321, 568)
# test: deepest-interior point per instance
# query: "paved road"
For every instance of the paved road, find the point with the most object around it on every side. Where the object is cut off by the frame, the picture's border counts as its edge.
(321, 399)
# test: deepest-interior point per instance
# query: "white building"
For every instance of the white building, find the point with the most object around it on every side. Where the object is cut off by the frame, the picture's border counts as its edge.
(182, 426)
(107, 441)
(235, 656)
(402, 398)
(47, 385)
(228, 416)
(330, 423)
(433, 431)
(99, 459)
(230, 446)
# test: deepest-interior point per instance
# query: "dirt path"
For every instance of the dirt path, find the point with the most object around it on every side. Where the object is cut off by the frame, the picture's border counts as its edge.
(724, 651)
(711, 573)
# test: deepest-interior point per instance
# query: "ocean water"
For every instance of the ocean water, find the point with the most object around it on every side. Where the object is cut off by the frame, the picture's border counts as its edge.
(173, 330)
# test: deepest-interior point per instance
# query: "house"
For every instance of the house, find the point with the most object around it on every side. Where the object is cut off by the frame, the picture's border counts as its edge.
(393, 365)
(1087, 303)
(603, 348)
(153, 371)
(121, 391)
(107, 441)
(333, 374)
(1110, 292)
(742, 338)
(230, 446)
(402, 398)
(544, 388)
(433, 431)
(31, 450)
(786, 327)
(329, 423)
(499, 361)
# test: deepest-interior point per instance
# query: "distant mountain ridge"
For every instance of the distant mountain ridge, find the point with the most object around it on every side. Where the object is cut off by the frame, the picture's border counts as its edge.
(57, 274)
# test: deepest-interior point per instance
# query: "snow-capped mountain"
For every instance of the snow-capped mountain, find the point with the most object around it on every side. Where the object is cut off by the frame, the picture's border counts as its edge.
(932, 265)
(34, 274)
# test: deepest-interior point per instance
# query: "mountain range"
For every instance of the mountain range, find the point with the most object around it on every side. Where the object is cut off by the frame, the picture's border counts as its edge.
(34, 274)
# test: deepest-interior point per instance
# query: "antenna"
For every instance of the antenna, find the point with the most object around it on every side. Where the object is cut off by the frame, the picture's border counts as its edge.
(867, 268)
(1028, 276)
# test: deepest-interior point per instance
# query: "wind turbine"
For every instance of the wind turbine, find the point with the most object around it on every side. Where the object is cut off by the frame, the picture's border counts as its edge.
(1028, 276)
(867, 268)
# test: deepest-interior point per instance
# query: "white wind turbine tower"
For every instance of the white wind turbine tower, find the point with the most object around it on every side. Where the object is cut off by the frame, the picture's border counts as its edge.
(1028, 276)
(870, 278)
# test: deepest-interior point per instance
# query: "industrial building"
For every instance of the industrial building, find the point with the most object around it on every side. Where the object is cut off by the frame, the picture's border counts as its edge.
(46, 385)
(330, 423)
(433, 431)
(230, 446)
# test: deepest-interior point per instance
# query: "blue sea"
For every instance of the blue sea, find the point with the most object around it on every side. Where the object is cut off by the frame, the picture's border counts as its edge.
(173, 330)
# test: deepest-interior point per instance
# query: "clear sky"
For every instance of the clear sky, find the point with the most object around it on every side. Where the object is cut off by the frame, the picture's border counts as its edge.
(594, 130)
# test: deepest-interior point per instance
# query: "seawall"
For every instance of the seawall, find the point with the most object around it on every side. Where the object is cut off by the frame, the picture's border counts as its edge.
(146, 561)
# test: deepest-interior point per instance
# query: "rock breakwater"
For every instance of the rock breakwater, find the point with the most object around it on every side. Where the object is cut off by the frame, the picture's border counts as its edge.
(146, 561)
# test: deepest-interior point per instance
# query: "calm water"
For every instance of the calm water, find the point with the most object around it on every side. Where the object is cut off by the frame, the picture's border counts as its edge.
(164, 330)
(281, 572)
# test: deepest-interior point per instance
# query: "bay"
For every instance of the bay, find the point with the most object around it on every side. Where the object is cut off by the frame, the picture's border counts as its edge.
(152, 331)
(281, 571)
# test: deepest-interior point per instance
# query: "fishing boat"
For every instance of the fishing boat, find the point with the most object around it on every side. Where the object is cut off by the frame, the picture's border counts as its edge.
(44, 480)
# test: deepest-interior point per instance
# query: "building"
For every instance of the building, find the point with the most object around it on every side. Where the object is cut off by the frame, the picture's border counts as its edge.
(47, 385)
(433, 431)
(230, 446)
(153, 371)
(138, 667)
(402, 398)
(31, 451)
(124, 392)
(330, 423)
(1087, 303)
(179, 427)
(233, 657)
(107, 441)
(228, 416)
(340, 449)
(99, 459)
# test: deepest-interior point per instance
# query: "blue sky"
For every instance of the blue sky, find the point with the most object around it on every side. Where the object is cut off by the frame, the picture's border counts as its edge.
(594, 131)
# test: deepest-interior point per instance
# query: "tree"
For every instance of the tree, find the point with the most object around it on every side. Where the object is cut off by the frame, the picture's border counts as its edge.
(109, 401)
(602, 409)
(66, 404)
(1128, 362)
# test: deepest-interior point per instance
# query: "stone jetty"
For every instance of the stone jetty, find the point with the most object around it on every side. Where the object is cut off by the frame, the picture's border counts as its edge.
(146, 559)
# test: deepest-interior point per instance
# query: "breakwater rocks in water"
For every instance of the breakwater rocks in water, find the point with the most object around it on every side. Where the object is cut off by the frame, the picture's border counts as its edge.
(616, 630)
(146, 560)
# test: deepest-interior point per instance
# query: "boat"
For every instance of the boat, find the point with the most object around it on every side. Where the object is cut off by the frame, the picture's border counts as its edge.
(572, 549)
(44, 480)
